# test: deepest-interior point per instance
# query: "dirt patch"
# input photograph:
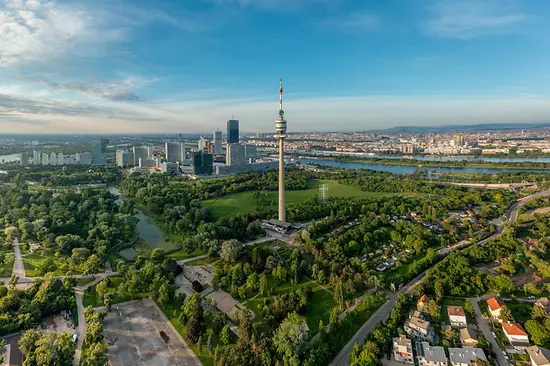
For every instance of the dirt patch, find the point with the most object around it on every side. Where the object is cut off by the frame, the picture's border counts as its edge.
(492, 268)
(59, 323)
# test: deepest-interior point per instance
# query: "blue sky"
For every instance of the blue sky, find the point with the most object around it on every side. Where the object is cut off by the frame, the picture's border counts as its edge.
(188, 65)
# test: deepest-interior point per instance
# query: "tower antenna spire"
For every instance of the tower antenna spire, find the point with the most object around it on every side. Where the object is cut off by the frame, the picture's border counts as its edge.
(280, 129)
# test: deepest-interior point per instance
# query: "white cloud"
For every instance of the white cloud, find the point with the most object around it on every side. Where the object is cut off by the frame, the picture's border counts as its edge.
(41, 30)
(466, 19)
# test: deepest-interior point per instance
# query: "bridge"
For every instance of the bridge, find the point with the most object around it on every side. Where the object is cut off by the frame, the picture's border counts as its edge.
(493, 185)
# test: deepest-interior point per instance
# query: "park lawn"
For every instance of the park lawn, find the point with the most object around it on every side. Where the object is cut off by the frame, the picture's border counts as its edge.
(91, 297)
(521, 311)
(318, 307)
(244, 202)
(84, 281)
(203, 261)
(172, 312)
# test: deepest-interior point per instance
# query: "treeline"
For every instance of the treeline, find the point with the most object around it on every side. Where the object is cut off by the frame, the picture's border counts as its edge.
(69, 175)
(69, 221)
(23, 309)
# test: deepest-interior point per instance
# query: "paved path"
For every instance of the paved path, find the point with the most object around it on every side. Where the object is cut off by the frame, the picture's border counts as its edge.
(383, 312)
(183, 261)
(487, 333)
(18, 267)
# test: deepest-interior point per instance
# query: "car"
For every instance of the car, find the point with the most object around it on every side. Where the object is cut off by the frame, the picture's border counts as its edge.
(493, 334)
(531, 297)
(505, 356)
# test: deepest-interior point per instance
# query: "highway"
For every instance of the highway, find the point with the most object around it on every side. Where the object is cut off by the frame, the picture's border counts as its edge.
(342, 359)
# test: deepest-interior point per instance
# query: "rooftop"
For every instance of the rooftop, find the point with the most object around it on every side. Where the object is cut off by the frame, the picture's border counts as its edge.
(424, 299)
(513, 329)
(436, 354)
(465, 333)
(466, 355)
(494, 303)
(456, 311)
(539, 355)
(283, 224)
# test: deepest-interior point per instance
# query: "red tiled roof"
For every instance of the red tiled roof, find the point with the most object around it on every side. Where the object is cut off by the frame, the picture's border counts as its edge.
(424, 299)
(513, 329)
(494, 303)
(455, 311)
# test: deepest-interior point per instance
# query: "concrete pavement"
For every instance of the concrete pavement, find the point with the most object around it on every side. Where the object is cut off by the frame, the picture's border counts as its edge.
(18, 267)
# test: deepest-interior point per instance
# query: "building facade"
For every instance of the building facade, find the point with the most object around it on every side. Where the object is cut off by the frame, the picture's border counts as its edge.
(99, 151)
(430, 356)
(174, 152)
(539, 356)
(233, 131)
(217, 148)
(402, 350)
(457, 316)
(35, 157)
(202, 163)
(143, 152)
(419, 328)
(235, 155)
(124, 158)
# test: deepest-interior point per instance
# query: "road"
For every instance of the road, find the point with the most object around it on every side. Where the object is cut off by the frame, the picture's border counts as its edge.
(487, 333)
(18, 267)
(342, 359)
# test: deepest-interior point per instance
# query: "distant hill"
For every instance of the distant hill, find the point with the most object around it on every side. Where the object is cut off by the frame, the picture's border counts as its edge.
(478, 127)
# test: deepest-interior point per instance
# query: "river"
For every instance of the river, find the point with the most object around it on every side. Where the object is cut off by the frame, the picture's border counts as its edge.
(488, 159)
(402, 169)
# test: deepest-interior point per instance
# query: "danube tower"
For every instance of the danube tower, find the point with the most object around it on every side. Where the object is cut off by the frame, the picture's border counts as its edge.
(280, 128)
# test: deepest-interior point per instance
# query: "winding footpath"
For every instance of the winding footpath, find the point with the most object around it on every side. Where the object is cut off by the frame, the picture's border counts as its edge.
(342, 359)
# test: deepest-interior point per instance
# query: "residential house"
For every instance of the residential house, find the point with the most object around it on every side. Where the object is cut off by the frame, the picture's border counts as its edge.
(402, 350)
(466, 356)
(468, 338)
(517, 336)
(430, 356)
(539, 356)
(457, 316)
(544, 303)
(390, 262)
(495, 305)
(419, 328)
(422, 302)
(381, 267)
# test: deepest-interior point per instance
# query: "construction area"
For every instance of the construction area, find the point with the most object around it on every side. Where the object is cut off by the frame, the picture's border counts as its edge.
(137, 333)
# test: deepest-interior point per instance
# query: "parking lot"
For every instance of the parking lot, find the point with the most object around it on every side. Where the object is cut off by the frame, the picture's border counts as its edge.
(137, 333)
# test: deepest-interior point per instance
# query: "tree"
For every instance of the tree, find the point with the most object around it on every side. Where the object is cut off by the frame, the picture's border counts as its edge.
(226, 335)
(27, 342)
(432, 309)
(210, 344)
(193, 330)
(505, 314)
(538, 334)
(218, 323)
(538, 312)
(94, 333)
(92, 265)
(199, 344)
(101, 288)
(55, 349)
(290, 337)
(108, 300)
(263, 285)
(96, 355)
(469, 308)
(503, 284)
(165, 293)
(158, 254)
(229, 251)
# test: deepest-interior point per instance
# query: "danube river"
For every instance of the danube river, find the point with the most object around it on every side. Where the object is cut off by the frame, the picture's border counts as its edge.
(488, 159)
(402, 169)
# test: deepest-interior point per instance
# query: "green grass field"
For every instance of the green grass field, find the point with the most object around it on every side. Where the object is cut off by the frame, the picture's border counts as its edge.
(33, 261)
(244, 202)
(92, 298)
(7, 266)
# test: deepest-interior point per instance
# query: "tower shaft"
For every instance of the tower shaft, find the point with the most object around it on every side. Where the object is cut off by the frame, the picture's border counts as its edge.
(282, 206)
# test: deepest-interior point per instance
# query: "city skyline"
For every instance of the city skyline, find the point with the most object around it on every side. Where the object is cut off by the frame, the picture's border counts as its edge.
(118, 67)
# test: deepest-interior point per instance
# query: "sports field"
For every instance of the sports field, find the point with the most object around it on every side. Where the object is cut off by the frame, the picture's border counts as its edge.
(244, 202)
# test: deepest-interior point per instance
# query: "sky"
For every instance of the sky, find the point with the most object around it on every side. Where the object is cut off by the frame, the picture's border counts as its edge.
(187, 66)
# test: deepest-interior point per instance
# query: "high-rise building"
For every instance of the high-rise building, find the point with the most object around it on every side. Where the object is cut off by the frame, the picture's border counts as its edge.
(35, 157)
(280, 129)
(233, 131)
(235, 155)
(217, 143)
(143, 152)
(202, 163)
(203, 144)
(250, 152)
(99, 151)
(60, 159)
(45, 159)
(83, 158)
(53, 158)
(23, 159)
(124, 158)
(174, 152)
